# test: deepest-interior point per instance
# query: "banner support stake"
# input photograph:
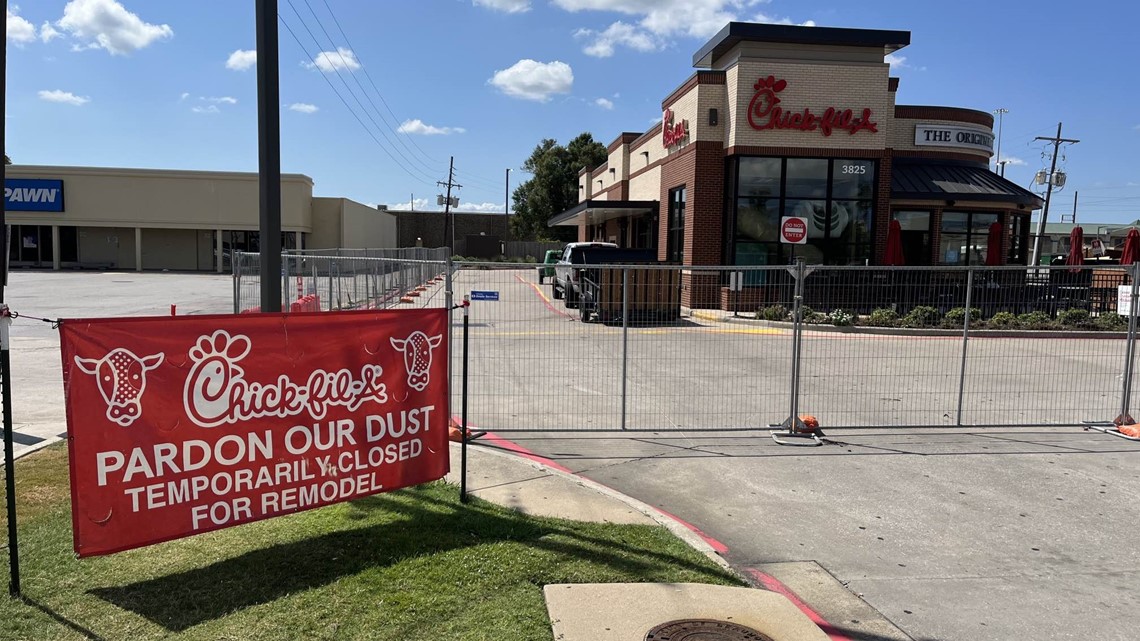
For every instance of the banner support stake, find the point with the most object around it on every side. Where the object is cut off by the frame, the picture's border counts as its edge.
(9, 455)
(463, 416)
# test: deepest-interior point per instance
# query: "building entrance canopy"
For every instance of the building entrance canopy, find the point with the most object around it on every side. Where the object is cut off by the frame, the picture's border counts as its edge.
(595, 212)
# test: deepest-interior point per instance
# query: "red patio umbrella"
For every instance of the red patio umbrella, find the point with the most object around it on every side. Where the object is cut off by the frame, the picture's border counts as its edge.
(1131, 252)
(993, 246)
(1076, 248)
(894, 254)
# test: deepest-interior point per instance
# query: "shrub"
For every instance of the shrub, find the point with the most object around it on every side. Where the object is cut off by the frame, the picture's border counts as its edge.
(812, 317)
(841, 318)
(1035, 320)
(773, 313)
(1074, 318)
(957, 316)
(1109, 321)
(922, 316)
(1003, 320)
(883, 317)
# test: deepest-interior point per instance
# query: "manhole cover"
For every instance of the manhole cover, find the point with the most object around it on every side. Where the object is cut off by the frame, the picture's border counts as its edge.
(703, 630)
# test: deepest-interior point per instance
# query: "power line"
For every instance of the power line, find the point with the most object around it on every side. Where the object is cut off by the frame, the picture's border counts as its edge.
(349, 88)
(369, 76)
(349, 108)
(364, 91)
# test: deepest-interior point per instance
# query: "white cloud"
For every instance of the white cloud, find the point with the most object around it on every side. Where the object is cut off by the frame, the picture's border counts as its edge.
(604, 104)
(531, 80)
(896, 61)
(66, 97)
(20, 31)
(330, 61)
(106, 24)
(1010, 160)
(619, 33)
(417, 126)
(242, 59)
(48, 32)
(205, 109)
(220, 100)
(418, 204)
(481, 208)
(506, 6)
(184, 96)
(425, 204)
(660, 20)
(304, 107)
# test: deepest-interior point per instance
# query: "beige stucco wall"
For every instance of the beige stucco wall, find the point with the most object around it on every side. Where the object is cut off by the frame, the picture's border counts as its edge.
(366, 227)
(344, 223)
(647, 186)
(854, 86)
(107, 197)
(712, 97)
(901, 136)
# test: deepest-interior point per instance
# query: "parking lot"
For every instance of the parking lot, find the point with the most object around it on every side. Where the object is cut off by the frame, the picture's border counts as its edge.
(952, 533)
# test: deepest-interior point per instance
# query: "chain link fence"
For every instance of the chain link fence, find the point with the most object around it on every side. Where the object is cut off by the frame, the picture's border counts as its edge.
(665, 347)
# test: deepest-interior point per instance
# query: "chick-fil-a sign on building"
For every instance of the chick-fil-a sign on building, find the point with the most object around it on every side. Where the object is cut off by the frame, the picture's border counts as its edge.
(765, 112)
(178, 426)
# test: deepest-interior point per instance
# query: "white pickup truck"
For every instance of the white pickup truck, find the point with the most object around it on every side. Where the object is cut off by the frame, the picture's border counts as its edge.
(566, 274)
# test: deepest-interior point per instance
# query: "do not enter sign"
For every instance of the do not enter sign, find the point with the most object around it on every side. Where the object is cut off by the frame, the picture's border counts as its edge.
(793, 230)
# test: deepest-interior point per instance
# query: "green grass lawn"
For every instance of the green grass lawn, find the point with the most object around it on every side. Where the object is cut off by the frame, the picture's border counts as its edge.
(413, 564)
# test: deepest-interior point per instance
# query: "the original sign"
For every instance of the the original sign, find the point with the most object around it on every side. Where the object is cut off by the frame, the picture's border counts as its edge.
(793, 230)
(765, 111)
(178, 426)
(961, 136)
(1124, 300)
(484, 295)
(23, 194)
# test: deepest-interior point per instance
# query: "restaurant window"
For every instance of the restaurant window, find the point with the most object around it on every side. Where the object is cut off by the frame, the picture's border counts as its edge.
(964, 238)
(675, 244)
(915, 236)
(835, 196)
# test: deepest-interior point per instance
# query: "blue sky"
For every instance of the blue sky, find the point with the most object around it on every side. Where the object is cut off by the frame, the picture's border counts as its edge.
(140, 83)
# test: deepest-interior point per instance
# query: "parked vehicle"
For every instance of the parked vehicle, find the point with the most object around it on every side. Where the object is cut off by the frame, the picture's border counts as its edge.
(565, 274)
(654, 292)
(547, 268)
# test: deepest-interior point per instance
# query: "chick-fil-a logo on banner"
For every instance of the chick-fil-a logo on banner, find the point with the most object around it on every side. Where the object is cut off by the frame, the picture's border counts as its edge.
(765, 112)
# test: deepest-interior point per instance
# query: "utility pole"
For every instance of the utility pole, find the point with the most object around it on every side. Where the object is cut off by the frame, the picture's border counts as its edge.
(1075, 194)
(5, 358)
(269, 155)
(412, 201)
(998, 160)
(448, 218)
(1056, 140)
(507, 194)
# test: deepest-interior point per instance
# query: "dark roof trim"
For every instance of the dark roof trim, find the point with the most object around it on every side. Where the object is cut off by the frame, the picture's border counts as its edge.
(736, 32)
(625, 138)
(698, 78)
(918, 179)
(586, 205)
(957, 114)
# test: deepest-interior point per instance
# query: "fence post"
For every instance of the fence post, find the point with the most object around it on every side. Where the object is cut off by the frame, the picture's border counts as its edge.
(624, 341)
(965, 341)
(235, 265)
(284, 283)
(793, 426)
(1125, 416)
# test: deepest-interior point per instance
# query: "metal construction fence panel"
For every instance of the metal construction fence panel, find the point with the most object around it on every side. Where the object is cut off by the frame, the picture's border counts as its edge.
(349, 279)
(658, 347)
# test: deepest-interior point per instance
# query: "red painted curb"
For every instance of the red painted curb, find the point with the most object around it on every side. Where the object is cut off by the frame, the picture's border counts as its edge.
(542, 297)
(772, 584)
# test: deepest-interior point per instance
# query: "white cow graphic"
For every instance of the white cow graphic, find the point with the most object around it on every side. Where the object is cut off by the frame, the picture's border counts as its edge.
(417, 349)
(121, 376)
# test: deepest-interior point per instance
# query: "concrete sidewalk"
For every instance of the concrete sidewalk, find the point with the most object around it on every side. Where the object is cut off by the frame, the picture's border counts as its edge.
(501, 472)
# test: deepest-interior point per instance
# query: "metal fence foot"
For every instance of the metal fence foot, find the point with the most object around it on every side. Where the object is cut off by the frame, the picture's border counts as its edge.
(794, 428)
(1111, 429)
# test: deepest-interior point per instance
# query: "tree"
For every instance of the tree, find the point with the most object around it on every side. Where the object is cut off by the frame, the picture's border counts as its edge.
(553, 186)
(7, 160)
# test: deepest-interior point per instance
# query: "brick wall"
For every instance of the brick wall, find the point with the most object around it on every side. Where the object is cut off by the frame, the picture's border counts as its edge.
(429, 226)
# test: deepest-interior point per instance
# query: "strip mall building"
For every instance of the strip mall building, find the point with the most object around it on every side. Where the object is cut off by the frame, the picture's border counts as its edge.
(801, 121)
(155, 219)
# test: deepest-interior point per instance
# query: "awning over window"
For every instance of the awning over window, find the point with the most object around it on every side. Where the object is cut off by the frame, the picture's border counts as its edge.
(920, 179)
(593, 212)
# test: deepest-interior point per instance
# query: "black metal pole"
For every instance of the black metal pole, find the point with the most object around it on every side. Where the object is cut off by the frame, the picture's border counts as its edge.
(463, 414)
(269, 154)
(5, 362)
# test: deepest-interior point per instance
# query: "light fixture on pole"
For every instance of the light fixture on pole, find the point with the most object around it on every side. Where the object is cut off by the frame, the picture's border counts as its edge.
(998, 164)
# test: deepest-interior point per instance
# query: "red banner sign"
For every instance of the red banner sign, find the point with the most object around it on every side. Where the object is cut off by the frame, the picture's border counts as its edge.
(672, 133)
(178, 426)
(765, 112)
